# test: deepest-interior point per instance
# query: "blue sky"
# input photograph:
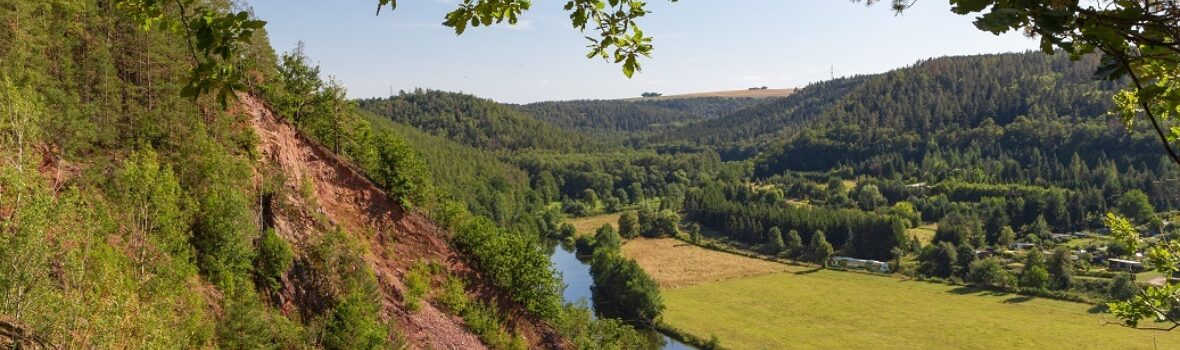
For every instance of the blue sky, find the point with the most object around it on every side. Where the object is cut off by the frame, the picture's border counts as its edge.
(699, 46)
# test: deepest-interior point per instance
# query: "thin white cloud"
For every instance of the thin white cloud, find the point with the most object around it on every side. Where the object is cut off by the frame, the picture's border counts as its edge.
(524, 24)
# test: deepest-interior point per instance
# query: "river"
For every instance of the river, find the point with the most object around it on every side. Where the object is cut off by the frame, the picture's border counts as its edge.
(576, 275)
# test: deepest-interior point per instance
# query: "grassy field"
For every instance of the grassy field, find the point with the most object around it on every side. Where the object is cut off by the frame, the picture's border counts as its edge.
(754, 304)
(1080, 243)
(590, 224)
(674, 263)
(925, 233)
(831, 309)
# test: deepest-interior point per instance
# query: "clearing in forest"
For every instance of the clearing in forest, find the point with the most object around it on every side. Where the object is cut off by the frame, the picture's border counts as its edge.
(925, 233)
(674, 263)
(587, 226)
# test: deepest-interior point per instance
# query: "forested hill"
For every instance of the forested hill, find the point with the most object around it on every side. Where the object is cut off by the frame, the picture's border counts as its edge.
(473, 121)
(643, 116)
(928, 97)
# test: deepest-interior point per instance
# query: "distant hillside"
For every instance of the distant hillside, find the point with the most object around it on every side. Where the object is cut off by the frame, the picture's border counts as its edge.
(473, 121)
(645, 115)
(748, 93)
(1019, 117)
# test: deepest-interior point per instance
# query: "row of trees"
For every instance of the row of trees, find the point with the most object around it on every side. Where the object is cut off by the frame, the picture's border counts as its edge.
(861, 234)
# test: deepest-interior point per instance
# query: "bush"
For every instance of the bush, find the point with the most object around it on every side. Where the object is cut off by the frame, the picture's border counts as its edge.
(417, 285)
(607, 238)
(400, 172)
(989, 272)
(1122, 287)
(513, 262)
(585, 331)
(454, 294)
(484, 320)
(273, 259)
(355, 323)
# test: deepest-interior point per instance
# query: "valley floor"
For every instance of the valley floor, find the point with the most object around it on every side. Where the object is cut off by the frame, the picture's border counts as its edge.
(808, 308)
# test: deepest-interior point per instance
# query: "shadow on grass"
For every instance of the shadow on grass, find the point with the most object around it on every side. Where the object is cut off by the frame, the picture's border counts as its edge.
(1099, 309)
(964, 290)
(806, 272)
(1017, 299)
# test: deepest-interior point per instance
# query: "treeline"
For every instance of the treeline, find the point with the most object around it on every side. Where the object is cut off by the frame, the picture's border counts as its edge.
(623, 175)
(474, 121)
(733, 209)
(627, 117)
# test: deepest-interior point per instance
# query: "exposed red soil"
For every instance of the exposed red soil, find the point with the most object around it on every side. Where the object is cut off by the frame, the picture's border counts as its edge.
(397, 239)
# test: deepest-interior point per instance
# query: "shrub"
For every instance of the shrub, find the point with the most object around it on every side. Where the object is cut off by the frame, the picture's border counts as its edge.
(356, 324)
(273, 259)
(417, 285)
(454, 294)
(988, 272)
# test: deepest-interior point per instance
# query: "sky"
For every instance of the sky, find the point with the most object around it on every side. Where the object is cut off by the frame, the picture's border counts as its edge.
(699, 46)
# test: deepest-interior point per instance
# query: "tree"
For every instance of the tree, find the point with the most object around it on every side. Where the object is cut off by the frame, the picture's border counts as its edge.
(629, 225)
(607, 238)
(590, 197)
(273, 260)
(818, 249)
(694, 233)
(567, 230)
(964, 256)
(400, 172)
(622, 289)
(777, 246)
(869, 197)
(989, 272)
(1034, 275)
(849, 248)
(938, 260)
(958, 228)
(1134, 205)
(1007, 236)
(300, 82)
(663, 224)
(1039, 228)
(792, 243)
(1060, 268)
(1122, 287)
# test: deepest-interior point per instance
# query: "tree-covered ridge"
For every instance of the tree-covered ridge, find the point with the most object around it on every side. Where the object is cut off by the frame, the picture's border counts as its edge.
(928, 97)
(629, 116)
(489, 186)
(750, 126)
(473, 121)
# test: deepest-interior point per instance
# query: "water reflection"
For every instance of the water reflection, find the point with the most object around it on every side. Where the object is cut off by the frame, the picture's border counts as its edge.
(576, 275)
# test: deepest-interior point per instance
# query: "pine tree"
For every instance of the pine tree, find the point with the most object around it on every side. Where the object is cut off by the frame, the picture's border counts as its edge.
(819, 250)
(776, 240)
(792, 243)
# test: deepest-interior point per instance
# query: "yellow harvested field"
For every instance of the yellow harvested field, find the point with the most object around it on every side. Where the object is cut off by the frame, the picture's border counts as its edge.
(675, 264)
(588, 225)
(759, 93)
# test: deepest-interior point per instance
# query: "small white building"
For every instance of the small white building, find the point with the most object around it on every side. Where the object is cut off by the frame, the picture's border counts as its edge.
(860, 264)
(1124, 265)
(1022, 246)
